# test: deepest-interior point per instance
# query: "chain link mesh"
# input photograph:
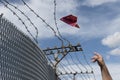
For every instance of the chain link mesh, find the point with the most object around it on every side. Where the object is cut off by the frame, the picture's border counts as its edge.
(20, 57)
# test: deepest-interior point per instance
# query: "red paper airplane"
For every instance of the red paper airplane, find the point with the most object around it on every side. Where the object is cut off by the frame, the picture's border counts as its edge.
(71, 20)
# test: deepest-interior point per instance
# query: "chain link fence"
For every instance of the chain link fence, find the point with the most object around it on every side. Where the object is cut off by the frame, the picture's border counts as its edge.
(20, 57)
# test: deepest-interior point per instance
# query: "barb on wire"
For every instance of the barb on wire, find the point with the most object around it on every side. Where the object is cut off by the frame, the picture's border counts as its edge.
(14, 13)
(26, 17)
(43, 21)
(56, 23)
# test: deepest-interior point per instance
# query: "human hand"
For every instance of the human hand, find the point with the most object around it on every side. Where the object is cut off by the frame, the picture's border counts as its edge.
(97, 57)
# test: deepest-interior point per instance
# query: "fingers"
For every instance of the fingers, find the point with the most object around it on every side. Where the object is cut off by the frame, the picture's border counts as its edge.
(95, 57)
(93, 60)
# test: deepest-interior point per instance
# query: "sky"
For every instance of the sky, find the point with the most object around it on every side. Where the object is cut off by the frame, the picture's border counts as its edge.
(99, 30)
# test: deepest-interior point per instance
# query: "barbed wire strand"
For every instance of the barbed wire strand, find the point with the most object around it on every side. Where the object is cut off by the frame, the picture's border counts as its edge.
(14, 13)
(63, 77)
(82, 75)
(53, 65)
(77, 66)
(84, 67)
(60, 72)
(50, 61)
(65, 69)
(55, 20)
(81, 63)
(88, 64)
(75, 62)
(70, 65)
(62, 42)
(26, 17)
(69, 68)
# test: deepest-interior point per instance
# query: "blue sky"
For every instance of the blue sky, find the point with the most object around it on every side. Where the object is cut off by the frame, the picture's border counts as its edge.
(99, 22)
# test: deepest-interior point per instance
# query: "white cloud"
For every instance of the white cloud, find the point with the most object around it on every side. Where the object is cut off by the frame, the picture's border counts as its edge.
(115, 51)
(93, 3)
(112, 40)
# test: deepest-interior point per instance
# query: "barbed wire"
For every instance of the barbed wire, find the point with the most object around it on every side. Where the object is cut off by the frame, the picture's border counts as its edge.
(59, 37)
(26, 17)
(56, 23)
(14, 13)
(62, 42)
(80, 62)
(88, 64)
(78, 66)
(74, 68)
(68, 61)
(65, 69)
(69, 43)
(83, 65)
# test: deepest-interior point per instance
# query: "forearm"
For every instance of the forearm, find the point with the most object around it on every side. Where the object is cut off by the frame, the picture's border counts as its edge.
(105, 73)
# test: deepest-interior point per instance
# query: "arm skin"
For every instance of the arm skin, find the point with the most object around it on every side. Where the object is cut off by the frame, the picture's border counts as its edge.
(104, 71)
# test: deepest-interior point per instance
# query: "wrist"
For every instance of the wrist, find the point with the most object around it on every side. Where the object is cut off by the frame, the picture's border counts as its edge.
(101, 63)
